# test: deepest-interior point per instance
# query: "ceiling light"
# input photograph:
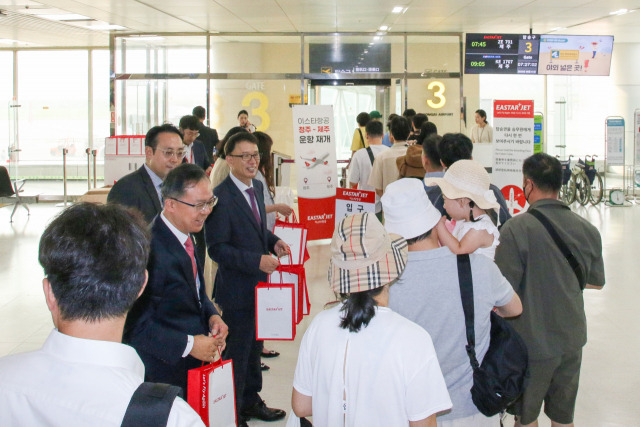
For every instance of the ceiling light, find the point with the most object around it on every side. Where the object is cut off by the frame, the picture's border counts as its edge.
(366, 51)
(384, 28)
(66, 17)
(105, 27)
(619, 12)
(397, 9)
(377, 38)
(11, 41)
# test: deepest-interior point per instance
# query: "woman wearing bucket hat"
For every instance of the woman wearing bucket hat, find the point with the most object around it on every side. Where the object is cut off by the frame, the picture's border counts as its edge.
(361, 364)
(471, 203)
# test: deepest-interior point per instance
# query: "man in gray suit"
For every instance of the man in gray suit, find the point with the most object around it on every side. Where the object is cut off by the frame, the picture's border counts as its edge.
(141, 189)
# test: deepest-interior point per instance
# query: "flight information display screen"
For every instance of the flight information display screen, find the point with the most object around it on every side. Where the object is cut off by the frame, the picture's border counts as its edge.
(349, 58)
(502, 54)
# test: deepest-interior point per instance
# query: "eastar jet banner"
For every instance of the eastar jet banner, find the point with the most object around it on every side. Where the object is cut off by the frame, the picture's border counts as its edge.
(512, 143)
(314, 139)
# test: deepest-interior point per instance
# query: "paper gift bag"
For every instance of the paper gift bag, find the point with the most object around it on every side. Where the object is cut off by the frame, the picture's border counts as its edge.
(275, 316)
(210, 392)
(293, 234)
(294, 275)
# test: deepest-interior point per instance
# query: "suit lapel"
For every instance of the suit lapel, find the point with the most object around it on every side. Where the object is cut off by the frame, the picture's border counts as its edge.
(150, 189)
(243, 206)
(175, 248)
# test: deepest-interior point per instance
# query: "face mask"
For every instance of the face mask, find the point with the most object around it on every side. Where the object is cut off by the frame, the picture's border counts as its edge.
(524, 190)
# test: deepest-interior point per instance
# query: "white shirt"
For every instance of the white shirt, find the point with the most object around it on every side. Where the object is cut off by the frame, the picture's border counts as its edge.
(360, 169)
(483, 222)
(188, 152)
(75, 382)
(392, 375)
(182, 238)
(243, 189)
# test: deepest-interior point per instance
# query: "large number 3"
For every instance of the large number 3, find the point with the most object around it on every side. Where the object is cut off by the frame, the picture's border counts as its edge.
(438, 93)
(260, 110)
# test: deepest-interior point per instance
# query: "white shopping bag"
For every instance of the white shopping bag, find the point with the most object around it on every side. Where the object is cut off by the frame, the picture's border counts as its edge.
(294, 236)
(210, 392)
(275, 315)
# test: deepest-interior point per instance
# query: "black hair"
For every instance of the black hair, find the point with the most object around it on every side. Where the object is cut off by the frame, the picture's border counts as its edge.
(544, 170)
(391, 117)
(185, 176)
(418, 120)
(400, 128)
(375, 129)
(223, 141)
(151, 139)
(482, 114)
(242, 112)
(266, 161)
(230, 145)
(430, 149)
(427, 129)
(95, 257)
(199, 112)
(491, 213)
(359, 308)
(454, 147)
(363, 119)
(189, 122)
(416, 239)
(409, 113)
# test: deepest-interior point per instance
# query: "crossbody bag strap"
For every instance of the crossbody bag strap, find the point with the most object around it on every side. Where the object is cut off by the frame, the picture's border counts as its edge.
(364, 144)
(466, 295)
(370, 152)
(151, 405)
(571, 259)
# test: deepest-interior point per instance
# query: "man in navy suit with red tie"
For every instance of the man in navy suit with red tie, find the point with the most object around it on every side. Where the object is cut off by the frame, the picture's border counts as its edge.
(174, 326)
(238, 240)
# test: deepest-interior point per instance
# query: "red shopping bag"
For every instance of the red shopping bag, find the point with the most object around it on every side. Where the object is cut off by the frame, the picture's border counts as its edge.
(211, 393)
(275, 311)
(292, 274)
(293, 234)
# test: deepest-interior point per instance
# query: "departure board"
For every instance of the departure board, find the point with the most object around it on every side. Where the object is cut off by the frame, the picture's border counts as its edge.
(502, 54)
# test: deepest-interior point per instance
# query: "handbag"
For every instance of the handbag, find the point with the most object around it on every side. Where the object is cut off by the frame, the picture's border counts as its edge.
(293, 234)
(292, 274)
(211, 393)
(275, 306)
(503, 375)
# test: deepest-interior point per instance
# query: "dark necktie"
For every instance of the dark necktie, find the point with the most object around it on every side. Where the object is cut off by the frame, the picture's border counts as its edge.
(254, 205)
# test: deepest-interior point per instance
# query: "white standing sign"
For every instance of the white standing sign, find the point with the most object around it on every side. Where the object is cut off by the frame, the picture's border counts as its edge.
(513, 142)
(615, 142)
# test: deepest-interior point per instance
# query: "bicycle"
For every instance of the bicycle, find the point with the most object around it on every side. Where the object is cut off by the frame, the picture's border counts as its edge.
(581, 182)
(595, 180)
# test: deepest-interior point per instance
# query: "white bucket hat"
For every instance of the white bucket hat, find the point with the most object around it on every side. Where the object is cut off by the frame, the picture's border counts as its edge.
(407, 209)
(467, 178)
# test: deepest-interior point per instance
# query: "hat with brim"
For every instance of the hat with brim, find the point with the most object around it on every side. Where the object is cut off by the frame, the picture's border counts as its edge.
(364, 256)
(407, 209)
(467, 178)
(375, 114)
(410, 165)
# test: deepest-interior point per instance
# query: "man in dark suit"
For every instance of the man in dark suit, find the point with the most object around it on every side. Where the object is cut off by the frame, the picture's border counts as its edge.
(174, 326)
(208, 136)
(141, 189)
(194, 152)
(239, 241)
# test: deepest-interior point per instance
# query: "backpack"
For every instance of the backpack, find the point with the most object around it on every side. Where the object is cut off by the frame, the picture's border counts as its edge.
(150, 405)
(504, 373)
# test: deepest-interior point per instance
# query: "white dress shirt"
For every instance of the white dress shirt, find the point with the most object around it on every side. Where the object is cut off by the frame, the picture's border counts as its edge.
(243, 189)
(75, 382)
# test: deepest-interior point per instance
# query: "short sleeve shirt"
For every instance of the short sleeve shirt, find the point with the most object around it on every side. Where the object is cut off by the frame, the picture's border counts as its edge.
(360, 169)
(358, 142)
(385, 170)
(553, 321)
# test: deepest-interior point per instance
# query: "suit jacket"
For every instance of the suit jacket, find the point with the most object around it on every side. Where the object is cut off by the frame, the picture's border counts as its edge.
(237, 242)
(137, 191)
(209, 138)
(159, 322)
(199, 155)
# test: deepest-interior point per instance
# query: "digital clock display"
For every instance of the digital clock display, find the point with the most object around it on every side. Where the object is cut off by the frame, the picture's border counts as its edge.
(502, 54)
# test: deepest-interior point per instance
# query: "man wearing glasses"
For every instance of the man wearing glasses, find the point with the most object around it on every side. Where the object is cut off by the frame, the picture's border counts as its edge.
(239, 241)
(140, 189)
(173, 326)
(194, 151)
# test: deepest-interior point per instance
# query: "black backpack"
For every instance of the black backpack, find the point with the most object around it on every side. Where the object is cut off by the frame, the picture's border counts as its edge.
(150, 405)
(504, 373)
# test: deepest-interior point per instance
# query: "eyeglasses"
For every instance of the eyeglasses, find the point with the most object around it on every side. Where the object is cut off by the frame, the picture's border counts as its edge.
(168, 154)
(246, 157)
(200, 207)
(193, 133)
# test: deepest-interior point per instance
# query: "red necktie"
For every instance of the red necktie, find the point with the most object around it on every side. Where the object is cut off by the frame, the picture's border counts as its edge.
(189, 247)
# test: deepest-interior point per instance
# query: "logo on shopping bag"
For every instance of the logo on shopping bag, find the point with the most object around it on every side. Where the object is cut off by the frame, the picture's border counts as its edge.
(274, 308)
(224, 396)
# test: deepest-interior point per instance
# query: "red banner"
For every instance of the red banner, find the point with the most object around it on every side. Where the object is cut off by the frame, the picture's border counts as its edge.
(318, 216)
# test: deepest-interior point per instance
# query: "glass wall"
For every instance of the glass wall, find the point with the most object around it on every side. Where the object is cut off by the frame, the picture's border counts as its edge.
(6, 99)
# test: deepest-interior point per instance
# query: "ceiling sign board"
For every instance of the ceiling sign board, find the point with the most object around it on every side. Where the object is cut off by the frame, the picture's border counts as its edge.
(575, 55)
(501, 54)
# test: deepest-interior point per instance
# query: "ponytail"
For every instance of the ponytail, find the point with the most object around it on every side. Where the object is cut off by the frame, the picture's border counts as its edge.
(491, 213)
(359, 308)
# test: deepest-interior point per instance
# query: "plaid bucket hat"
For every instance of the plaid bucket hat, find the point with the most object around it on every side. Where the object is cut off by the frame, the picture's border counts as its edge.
(364, 256)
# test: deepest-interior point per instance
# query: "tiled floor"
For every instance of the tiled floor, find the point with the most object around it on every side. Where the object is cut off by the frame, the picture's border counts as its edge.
(610, 377)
